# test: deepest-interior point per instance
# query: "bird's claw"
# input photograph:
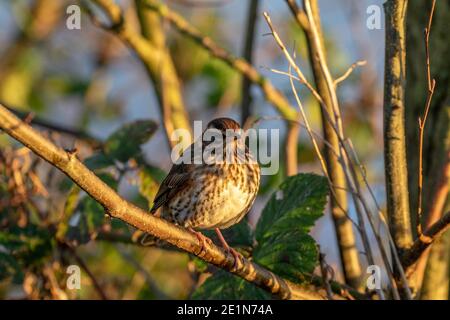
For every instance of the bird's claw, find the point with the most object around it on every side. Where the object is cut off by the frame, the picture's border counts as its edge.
(238, 258)
(202, 239)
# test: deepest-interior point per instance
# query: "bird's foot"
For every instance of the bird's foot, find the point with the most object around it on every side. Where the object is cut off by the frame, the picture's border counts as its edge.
(202, 239)
(238, 258)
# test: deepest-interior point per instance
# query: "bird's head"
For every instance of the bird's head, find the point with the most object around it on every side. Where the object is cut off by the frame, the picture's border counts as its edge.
(230, 129)
(223, 124)
(224, 133)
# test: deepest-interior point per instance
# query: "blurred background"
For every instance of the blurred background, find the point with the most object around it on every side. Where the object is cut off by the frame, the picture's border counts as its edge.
(89, 83)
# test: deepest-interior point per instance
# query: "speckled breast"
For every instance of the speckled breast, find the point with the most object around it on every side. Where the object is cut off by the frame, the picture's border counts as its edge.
(220, 197)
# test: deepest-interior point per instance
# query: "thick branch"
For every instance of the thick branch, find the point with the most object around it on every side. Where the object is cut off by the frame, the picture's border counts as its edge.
(394, 125)
(119, 208)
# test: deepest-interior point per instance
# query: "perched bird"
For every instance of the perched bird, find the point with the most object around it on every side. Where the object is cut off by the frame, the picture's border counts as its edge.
(212, 194)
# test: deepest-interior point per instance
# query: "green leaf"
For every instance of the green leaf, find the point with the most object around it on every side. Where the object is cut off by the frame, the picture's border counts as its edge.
(289, 255)
(126, 142)
(93, 213)
(9, 267)
(98, 161)
(82, 214)
(85, 222)
(239, 235)
(296, 205)
(284, 245)
(69, 210)
(200, 265)
(225, 286)
(23, 248)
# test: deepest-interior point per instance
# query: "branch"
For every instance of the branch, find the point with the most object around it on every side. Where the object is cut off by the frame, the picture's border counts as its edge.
(419, 246)
(86, 269)
(273, 95)
(299, 14)
(248, 55)
(394, 125)
(423, 120)
(119, 208)
(349, 71)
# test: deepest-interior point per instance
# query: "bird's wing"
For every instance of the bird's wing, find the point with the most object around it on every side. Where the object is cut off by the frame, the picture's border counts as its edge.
(177, 179)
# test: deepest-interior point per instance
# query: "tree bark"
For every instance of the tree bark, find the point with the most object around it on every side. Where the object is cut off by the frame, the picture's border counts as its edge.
(397, 195)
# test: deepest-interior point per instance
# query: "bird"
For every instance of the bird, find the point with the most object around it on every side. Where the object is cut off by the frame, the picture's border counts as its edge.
(215, 192)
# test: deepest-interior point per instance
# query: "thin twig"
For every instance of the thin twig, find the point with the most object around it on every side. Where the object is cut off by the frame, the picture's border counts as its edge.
(349, 71)
(422, 120)
(86, 269)
(324, 272)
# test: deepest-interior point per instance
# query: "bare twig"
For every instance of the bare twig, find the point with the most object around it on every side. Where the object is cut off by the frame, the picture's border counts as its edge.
(308, 127)
(293, 130)
(324, 271)
(86, 269)
(299, 14)
(422, 120)
(349, 71)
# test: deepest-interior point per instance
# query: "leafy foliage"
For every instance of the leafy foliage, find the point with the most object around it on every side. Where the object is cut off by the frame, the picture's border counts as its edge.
(83, 216)
(98, 161)
(126, 142)
(223, 285)
(21, 249)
